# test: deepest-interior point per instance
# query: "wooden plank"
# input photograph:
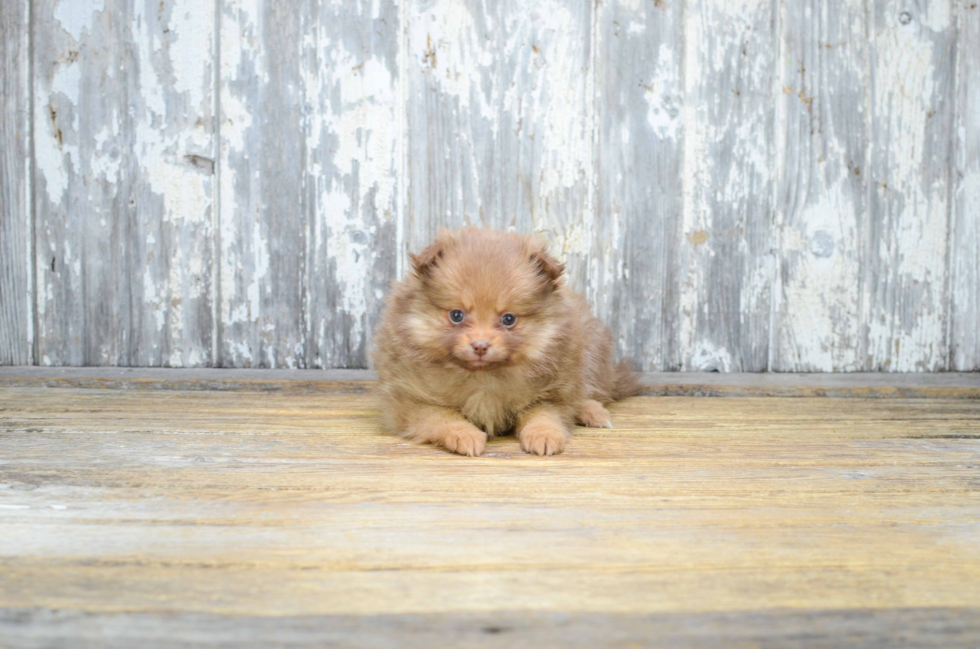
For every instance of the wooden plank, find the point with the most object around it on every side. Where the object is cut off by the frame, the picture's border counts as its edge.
(309, 199)
(500, 122)
(124, 166)
(946, 385)
(639, 97)
(964, 262)
(352, 76)
(81, 219)
(922, 627)
(264, 208)
(822, 194)
(724, 262)
(904, 305)
(139, 511)
(16, 291)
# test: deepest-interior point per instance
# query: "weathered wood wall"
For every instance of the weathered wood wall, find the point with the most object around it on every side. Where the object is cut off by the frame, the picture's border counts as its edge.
(736, 185)
(16, 289)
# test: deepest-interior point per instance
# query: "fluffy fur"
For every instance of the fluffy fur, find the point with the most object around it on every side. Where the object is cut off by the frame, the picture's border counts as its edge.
(455, 384)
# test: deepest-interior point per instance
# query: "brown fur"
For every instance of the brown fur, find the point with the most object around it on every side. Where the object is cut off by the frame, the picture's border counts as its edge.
(553, 367)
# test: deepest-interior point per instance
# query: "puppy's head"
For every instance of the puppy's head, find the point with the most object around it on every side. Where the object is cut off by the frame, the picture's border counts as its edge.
(484, 299)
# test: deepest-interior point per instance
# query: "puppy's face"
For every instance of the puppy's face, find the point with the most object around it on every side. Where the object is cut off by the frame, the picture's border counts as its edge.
(485, 300)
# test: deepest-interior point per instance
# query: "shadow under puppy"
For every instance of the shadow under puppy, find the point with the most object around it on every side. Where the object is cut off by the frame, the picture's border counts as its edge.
(483, 338)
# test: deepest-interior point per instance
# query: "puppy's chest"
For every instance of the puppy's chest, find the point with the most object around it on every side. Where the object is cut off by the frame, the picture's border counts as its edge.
(493, 405)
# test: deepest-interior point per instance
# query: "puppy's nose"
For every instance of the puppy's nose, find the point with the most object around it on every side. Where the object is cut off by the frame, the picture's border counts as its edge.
(480, 347)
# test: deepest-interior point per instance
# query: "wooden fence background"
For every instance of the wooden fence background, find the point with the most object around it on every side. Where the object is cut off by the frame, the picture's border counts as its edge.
(787, 185)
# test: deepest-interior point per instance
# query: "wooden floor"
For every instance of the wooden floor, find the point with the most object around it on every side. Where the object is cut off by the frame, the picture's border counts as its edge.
(156, 517)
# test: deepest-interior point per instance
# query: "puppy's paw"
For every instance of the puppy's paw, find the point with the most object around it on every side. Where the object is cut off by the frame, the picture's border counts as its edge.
(463, 438)
(543, 437)
(592, 413)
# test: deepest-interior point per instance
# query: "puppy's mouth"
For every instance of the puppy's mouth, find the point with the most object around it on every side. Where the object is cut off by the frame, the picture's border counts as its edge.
(479, 363)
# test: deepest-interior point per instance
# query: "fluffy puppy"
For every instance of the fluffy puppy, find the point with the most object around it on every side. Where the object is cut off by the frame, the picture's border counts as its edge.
(483, 338)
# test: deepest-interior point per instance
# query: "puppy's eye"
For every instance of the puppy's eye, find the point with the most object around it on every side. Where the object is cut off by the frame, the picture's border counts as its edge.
(508, 320)
(456, 316)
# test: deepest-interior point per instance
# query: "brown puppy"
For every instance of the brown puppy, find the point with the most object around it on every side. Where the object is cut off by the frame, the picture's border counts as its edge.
(483, 337)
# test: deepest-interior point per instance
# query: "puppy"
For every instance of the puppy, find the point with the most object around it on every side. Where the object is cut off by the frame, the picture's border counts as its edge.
(483, 338)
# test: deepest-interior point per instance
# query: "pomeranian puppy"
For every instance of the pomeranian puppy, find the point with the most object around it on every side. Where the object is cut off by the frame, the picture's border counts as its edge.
(484, 338)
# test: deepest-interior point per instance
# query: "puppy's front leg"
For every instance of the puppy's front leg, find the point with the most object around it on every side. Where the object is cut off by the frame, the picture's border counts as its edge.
(443, 427)
(543, 429)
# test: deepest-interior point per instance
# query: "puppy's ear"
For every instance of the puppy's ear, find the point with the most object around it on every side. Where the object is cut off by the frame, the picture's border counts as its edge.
(426, 260)
(547, 265)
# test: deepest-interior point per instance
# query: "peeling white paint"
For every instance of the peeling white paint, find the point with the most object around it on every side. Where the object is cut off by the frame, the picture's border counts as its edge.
(193, 36)
(560, 91)
(241, 52)
(260, 251)
(964, 263)
(727, 171)
(106, 162)
(706, 357)
(353, 135)
(821, 197)
(153, 302)
(119, 111)
(77, 16)
(695, 161)
(506, 93)
(445, 38)
(907, 332)
(819, 305)
(241, 350)
(54, 156)
(663, 96)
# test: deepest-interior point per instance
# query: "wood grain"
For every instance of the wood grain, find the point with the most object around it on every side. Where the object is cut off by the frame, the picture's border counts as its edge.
(725, 262)
(264, 224)
(639, 102)
(148, 510)
(822, 629)
(735, 186)
(124, 165)
(500, 122)
(16, 291)
(825, 103)
(964, 263)
(308, 223)
(912, 72)
(353, 132)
